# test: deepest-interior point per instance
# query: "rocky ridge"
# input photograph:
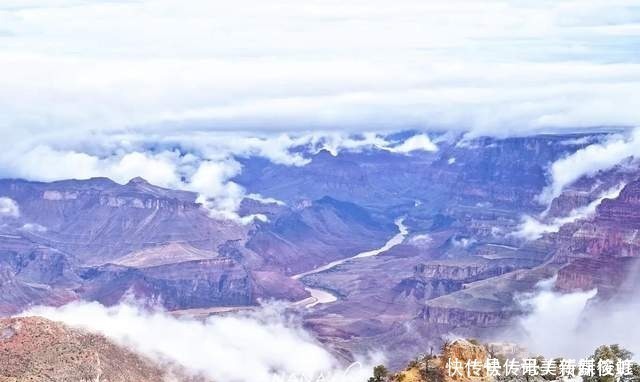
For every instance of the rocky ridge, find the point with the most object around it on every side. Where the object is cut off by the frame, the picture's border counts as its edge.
(38, 350)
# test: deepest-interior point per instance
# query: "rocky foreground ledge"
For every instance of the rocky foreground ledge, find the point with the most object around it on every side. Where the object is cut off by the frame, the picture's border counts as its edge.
(36, 349)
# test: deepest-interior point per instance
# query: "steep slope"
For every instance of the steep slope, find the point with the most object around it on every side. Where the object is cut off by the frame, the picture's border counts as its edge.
(97, 220)
(36, 349)
(33, 274)
(316, 233)
(602, 251)
(99, 240)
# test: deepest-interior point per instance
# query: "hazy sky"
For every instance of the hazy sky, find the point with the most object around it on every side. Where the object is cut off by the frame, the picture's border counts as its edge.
(162, 88)
(494, 67)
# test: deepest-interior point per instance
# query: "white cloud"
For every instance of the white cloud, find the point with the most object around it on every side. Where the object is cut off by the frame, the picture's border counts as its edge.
(418, 142)
(220, 195)
(532, 228)
(9, 207)
(209, 178)
(502, 68)
(334, 142)
(265, 200)
(33, 227)
(275, 147)
(243, 347)
(203, 162)
(588, 161)
(553, 319)
(47, 164)
(463, 242)
(159, 169)
(421, 240)
(564, 325)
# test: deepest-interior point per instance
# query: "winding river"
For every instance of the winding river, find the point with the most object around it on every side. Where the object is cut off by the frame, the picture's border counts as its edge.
(323, 296)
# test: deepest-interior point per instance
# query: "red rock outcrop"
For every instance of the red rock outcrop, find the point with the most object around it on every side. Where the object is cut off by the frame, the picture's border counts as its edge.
(38, 350)
(600, 252)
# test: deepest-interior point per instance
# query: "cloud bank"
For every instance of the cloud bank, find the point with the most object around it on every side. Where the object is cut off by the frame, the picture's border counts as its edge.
(589, 161)
(532, 228)
(564, 325)
(205, 163)
(259, 346)
(173, 91)
(500, 67)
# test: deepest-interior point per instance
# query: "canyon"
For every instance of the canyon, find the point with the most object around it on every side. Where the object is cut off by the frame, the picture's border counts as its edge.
(332, 245)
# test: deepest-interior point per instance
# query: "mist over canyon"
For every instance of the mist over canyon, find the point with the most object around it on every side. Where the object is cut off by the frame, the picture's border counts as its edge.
(317, 190)
(373, 247)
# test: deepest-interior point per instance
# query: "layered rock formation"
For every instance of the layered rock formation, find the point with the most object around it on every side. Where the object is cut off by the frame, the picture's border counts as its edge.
(601, 251)
(433, 368)
(316, 233)
(458, 270)
(102, 241)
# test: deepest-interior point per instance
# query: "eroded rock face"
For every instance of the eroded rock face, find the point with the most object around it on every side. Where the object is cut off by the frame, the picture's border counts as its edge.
(185, 285)
(439, 277)
(434, 367)
(97, 220)
(423, 288)
(601, 252)
(609, 275)
(32, 274)
(464, 350)
(98, 240)
(36, 349)
(318, 233)
(454, 317)
(623, 210)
